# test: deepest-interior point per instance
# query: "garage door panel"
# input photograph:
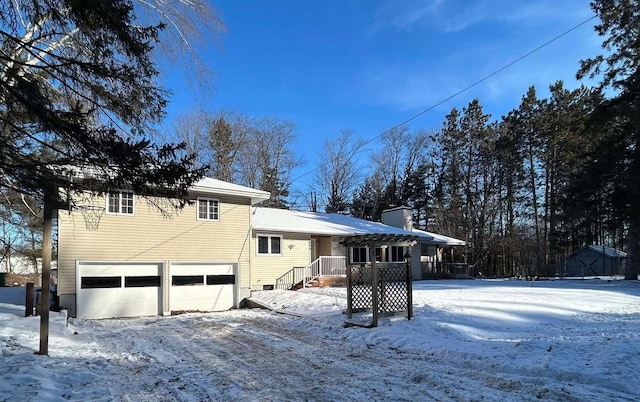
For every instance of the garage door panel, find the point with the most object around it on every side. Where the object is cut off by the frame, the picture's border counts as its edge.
(108, 303)
(201, 269)
(118, 269)
(124, 289)
(202, 287)
(202, 298)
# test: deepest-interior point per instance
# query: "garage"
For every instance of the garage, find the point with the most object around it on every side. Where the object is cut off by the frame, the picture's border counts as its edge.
(202, 286)
(118, 289)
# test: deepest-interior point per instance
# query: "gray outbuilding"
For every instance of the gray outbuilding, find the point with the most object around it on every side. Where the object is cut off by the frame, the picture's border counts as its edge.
(595, 261)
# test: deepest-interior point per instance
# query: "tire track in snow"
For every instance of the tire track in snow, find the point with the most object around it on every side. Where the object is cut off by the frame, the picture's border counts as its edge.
(257, 356)
(213, 357)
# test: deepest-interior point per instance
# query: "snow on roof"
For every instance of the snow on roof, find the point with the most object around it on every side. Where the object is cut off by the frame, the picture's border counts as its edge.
(283, 220)
(215, 186)
(442, 239)
(608, 251)
(207, 185)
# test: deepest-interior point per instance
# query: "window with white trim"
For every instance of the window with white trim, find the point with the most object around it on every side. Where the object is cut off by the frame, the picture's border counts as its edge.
(396, 254)
(120, 202)
(359, 255)
(268, 245)
(208, 209)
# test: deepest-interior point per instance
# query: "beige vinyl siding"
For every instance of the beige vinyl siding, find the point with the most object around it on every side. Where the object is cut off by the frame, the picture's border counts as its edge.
(149, 236)
(265, 269)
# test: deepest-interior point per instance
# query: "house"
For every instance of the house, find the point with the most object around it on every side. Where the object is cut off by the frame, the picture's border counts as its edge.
(596, 260)
(139, 262)
(119, 256)
(319, 244)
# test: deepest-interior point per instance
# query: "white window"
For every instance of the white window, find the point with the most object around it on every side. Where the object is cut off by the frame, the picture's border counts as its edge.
(120, 203)
(268, 245)
(359, 255)
(208, 209)
(397, 254)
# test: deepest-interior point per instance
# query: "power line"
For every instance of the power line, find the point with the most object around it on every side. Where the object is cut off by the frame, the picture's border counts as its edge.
(454, 95)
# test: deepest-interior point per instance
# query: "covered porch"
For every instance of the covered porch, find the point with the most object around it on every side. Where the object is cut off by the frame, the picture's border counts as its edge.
(438, 260)
(391, 251)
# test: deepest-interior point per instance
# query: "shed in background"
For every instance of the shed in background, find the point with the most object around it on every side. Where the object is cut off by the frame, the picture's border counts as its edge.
(596, 260)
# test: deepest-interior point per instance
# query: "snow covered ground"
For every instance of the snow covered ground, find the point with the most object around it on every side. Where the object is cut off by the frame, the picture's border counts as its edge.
(470, 340)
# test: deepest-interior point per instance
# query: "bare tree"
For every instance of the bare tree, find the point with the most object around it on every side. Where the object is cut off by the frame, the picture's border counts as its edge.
(337, 175)
(402, 152)
(190, 25)
(388, 160)
(256, 152)
(266, 159)
(191, 129)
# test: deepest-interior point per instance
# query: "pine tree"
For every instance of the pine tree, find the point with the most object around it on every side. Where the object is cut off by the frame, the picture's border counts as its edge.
(417, 193)
(563, 142)
(509, 151)
(619, 70)
(224, 147)
(369, 200)
(448, 199)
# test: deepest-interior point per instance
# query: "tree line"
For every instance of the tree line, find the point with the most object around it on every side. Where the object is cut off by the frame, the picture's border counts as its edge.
(528, 188)
(510, 188)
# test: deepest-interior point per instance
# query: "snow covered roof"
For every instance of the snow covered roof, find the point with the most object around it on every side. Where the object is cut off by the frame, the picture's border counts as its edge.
(319, 223)
(442, 239)
(215, 186)
(608, 251)
(206, 185)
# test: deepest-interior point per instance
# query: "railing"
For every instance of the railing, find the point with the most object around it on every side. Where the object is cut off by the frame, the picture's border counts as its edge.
(449, 270)
(460, 269)
(293, 276)
(322, 266)
(326, 266)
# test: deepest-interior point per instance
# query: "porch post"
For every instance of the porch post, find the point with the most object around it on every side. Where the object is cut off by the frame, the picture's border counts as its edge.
(407, 262)
(349, 292)
(374, 283)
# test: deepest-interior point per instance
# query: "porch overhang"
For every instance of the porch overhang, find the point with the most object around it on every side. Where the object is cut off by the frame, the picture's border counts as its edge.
(378, 239)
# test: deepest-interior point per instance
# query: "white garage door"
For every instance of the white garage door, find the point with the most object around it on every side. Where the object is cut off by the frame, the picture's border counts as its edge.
(118, 289)
(202, 286)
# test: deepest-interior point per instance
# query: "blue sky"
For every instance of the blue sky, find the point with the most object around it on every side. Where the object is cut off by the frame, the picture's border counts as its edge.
(369, 65)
